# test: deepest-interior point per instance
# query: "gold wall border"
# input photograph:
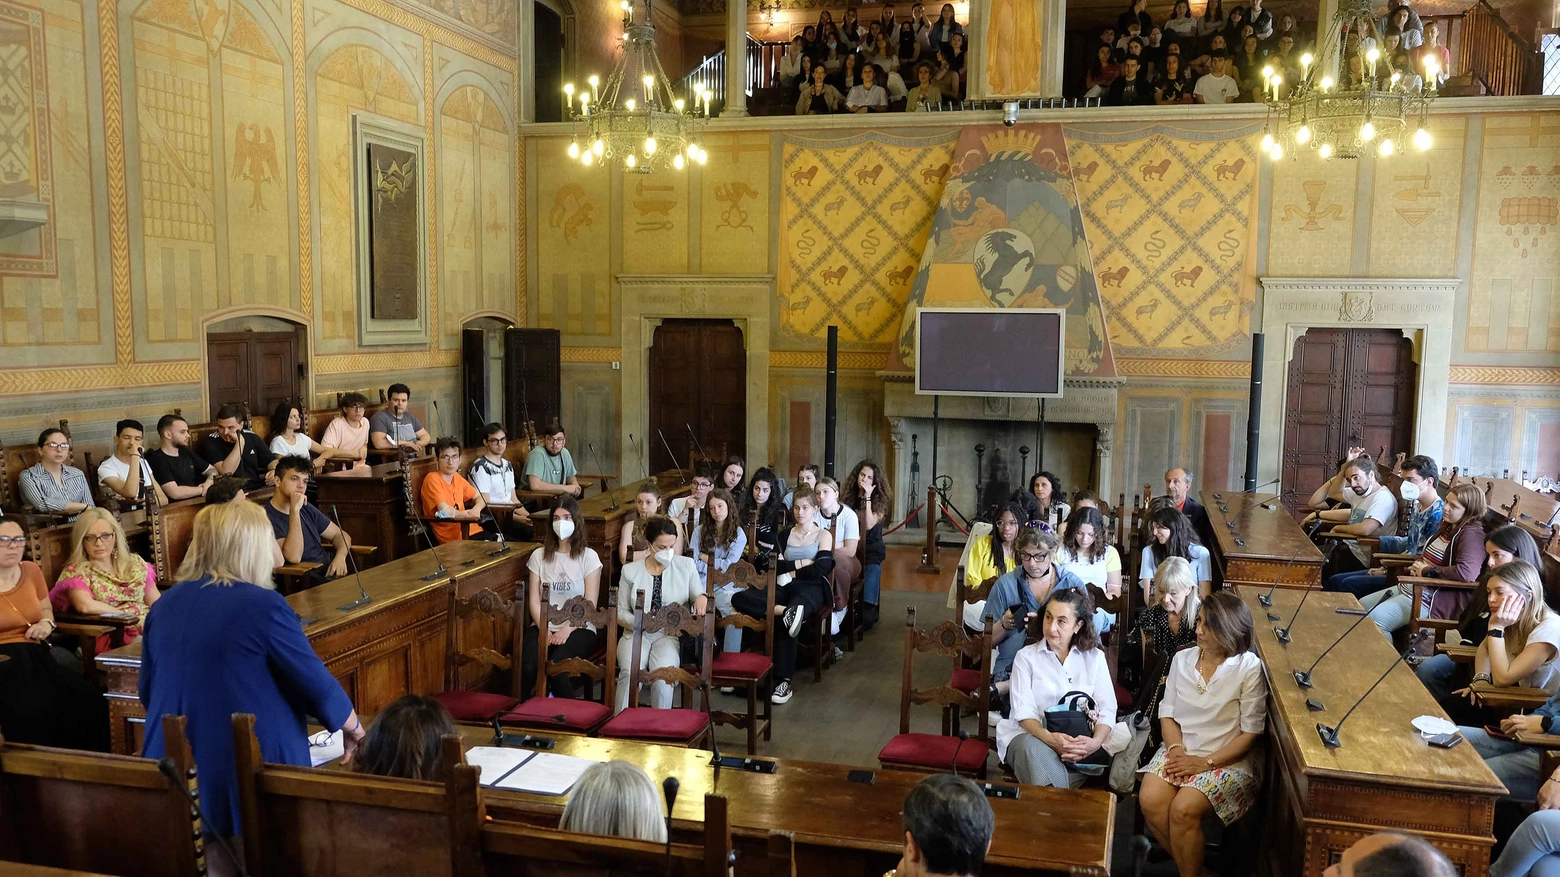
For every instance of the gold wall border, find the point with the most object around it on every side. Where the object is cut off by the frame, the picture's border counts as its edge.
(433, 31)
(588, 354)
(868, 360)
(34, 382)
(517, 223)
(1504, 374)
(1182, 368)
(300, 59)
(118, 191)
(345, 363)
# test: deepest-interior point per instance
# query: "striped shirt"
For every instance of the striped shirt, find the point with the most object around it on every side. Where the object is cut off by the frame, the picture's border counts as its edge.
(42, 493)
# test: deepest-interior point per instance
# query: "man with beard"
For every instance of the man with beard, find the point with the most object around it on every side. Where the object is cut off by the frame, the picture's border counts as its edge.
(393, 426)
(1370, 510)
(553, 470)
(175, 467)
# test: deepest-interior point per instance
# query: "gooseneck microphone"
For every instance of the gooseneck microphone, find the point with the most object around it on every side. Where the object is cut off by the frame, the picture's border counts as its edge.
(363, 598)
(591, 446)
(953, 764)
(441, 572)
(676, 464)
(718, 761)
(669, 788)
(1267, 599)
(1303, 677)
(638, 447)
(1330, 735)
(1282, 633)
(498, 530)
(696, 443)
(170, 769)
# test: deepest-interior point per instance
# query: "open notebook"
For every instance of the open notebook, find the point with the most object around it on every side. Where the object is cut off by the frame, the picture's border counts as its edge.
(524, 770)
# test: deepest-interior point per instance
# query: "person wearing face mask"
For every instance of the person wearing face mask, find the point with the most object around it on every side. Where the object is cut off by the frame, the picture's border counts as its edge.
(1420, 477)
(802, 570)
(1372, 510)
(719, 542)
(1455, 553)
(661, 578)
(569, 569)
(633, 545)
(688, 510)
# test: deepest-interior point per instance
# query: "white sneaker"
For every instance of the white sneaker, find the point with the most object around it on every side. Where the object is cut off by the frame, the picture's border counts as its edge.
(792, 619)
(993, 717)
(782, 693)
(839, 653)
(727, 689)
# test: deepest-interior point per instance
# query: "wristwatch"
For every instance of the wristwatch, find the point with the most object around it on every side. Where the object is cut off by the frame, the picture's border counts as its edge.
(1496, 633)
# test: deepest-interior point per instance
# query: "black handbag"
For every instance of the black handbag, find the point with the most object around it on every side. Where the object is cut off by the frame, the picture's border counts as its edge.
(1070, 716)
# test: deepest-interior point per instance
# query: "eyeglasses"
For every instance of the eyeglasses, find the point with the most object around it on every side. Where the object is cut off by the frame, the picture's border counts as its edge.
(96, 538)
(58, 446)
(450, 458)
(1031, 557)
(12, 541)
(500, 440)
(703, 485)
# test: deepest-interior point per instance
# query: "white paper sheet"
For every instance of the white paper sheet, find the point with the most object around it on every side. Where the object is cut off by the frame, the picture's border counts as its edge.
(325, 747)
(546, 774)
(495, 762)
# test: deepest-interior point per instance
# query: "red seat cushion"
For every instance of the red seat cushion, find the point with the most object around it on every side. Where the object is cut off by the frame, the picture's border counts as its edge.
(474, 706)
(558, 712)
(1124, 697)
(934, 751)
(741, 665)
(965, 680)
(649, 723)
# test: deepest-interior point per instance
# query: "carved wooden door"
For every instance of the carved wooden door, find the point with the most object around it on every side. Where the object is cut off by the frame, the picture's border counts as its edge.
(258, 369)
(1347, 387)
(532, 382)
(698, 380)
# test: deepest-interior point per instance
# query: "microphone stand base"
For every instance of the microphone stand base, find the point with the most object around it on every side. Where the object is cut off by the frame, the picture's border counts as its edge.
(737, 762)
(1272, 617)
(1281, 634)
(1314, 705)
(499, 552)
(433, 576)
(361, 601)
(1329, 736)
(999, 790)
(1266, 600)
(1303, 678)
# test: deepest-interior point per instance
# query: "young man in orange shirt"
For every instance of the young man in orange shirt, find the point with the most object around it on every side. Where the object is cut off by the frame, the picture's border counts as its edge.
(445, 493)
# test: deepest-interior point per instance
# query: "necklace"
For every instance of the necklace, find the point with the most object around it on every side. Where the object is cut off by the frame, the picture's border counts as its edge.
(1202, 685)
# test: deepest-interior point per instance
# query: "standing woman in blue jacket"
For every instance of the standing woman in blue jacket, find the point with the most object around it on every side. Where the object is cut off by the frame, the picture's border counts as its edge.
(222, 641)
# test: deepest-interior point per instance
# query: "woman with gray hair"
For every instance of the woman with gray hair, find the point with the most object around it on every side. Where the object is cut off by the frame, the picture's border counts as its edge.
(617, 799)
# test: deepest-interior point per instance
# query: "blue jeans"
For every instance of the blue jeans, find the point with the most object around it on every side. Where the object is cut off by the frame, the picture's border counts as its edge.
(1514, 764)
(1533, 850)
(1007, 650)
(872, 582)
(1357, 583)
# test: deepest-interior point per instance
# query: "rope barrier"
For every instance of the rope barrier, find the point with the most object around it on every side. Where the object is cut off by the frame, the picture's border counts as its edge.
(901, 524)
(951, 519)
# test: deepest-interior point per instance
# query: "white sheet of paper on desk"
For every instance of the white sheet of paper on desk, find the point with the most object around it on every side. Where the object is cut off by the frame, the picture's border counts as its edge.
(325, 747)
(546, 774)
(495, 761)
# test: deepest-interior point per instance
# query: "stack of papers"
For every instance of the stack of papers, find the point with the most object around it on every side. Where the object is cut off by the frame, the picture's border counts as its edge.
(524, 770)
(325, 747)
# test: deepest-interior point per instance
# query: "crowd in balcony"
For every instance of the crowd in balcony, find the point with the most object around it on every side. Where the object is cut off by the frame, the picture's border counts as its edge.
(886, 64)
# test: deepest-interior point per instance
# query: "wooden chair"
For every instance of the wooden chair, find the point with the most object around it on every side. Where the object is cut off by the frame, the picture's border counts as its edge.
(750, 671)
(301, 822)
(935, 753)
(566, 715)
(94, 812)
(418, 468)
(503, 623)
(966, 671)
(513, 849)
(172, 526)
(684, 726)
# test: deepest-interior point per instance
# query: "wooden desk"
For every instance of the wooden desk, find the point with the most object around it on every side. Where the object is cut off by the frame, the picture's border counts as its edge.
(604, 524)
(1384, 776)
(372, 505)
(840, 828)
(392, 646)
(1270, 536)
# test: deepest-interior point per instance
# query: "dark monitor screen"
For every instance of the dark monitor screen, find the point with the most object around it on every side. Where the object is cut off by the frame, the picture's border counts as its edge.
(990, 352)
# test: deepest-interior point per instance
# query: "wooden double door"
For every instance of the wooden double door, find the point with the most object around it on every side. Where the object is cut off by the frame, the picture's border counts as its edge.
(1347, 388)
(258, 369)
(698, 381)
(525, 365)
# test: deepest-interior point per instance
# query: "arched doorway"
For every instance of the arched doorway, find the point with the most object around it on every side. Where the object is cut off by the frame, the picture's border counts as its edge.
(256, 360)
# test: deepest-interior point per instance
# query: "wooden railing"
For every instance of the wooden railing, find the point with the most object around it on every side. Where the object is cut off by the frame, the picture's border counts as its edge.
(763, 59)
(1498, 56)
(710, 76)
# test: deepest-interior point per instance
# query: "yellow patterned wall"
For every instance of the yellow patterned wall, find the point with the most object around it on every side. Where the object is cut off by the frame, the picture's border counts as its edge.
(1311, 218)
(655, 222)
(1416, 206)
(734, 207)
(573, 237)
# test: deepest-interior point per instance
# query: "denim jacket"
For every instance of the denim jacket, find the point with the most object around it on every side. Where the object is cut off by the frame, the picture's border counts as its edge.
(1422, 525)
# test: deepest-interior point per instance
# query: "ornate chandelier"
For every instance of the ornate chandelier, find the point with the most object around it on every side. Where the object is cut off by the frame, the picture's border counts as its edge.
(1344, 117)
(634, 117)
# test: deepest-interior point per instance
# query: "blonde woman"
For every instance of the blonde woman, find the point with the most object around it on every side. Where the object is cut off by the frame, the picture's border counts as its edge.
(102, 576)
(1170, 621)
(223, 641)
(1524, 636)
(616, 799)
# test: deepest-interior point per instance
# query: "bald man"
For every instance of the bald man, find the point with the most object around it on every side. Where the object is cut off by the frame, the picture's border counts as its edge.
(1178, 486)
(1391, 854)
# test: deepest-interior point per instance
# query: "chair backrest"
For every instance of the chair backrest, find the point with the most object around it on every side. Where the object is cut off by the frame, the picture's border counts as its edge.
(418, 468)
(94, 812)
(673, 619)
(782, 854)
(514, 849)
(49, 547)
(744, 575)
(301, 822)
(173, 527)
(484, 632)
(577, 612)
(967, 595)
(949, 640)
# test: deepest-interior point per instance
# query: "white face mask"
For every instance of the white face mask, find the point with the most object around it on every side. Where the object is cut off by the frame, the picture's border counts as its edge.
(1409, 491)
(664, 556)
(564, 529)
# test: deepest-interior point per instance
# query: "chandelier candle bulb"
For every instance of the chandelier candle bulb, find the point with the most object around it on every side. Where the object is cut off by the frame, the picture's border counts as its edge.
(1421, 139)
(1367, 131)
(574, 149)
(1386, 147)
(1325, 151)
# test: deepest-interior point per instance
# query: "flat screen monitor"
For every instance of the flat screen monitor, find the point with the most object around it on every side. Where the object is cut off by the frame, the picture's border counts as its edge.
(990, 352)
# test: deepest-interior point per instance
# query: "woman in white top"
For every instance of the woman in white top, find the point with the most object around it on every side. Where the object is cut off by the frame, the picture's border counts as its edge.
(1181, 20)
(687, 510)
(868, 97)
(719, 541)
(1529, 632)
(662, 578)
(1213, 712)
(1171, 536)
(1087, 554)
(569, 569)
(289, 440)
(1067, 658)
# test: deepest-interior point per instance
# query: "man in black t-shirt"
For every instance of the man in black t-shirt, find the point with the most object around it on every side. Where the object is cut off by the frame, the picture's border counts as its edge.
(233, 450)
(302, 530)
(176, 468)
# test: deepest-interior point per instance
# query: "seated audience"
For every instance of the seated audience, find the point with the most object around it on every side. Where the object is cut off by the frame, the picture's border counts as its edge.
(289, 440)
(956, 59)
(552, 471)
(1181, 21)
(1249, 61)
(805, 561)
(1455, 553)
(1372, 510)
(393, 426)
(1523, 636)
(1133, 31)
(941, 31)
(731, 475)
(866, 494)
(926, 93)
(788, 69)
(102, 576)
(406, 740)
(615, 799)
(944, 76)
(720, 542)
(494, 477)
(1131, 88)
(1086, 552)
(1170, 535)
(687, 510)
(569, 568)
(1234, 27)
(1065, 659)
(1017, 596)
(1136, 14)
(662, 578)
(1420, 477)
(1287, 27)
(126, 474)
(1432, 49)
(303, 530)
(1167, 625)
(1203, 63)
(445, 494)
(1174, 85)
(233, 449)
(807, 477)
(819, 97)
(1515, 764)
(227, 489)
(1213, 712)
(1394, 854)
(632, 544)
(1533, 850)
(179, 471)
(223, 641)
(349, 432)
(989, 558)
(765, 511)
(845, 532)
(1407, 24)
(948, 825)
(832, 56)
(52, 485)
(1260, 20)
(868, 97)
(41, 702)
(1212, 21)
(1102, 71)
(1217, 87)
(881, 55)
(849, 75)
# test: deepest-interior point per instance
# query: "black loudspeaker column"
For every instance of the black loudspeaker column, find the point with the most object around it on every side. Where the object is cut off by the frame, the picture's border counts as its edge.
(1254, 412)
(831, 406)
